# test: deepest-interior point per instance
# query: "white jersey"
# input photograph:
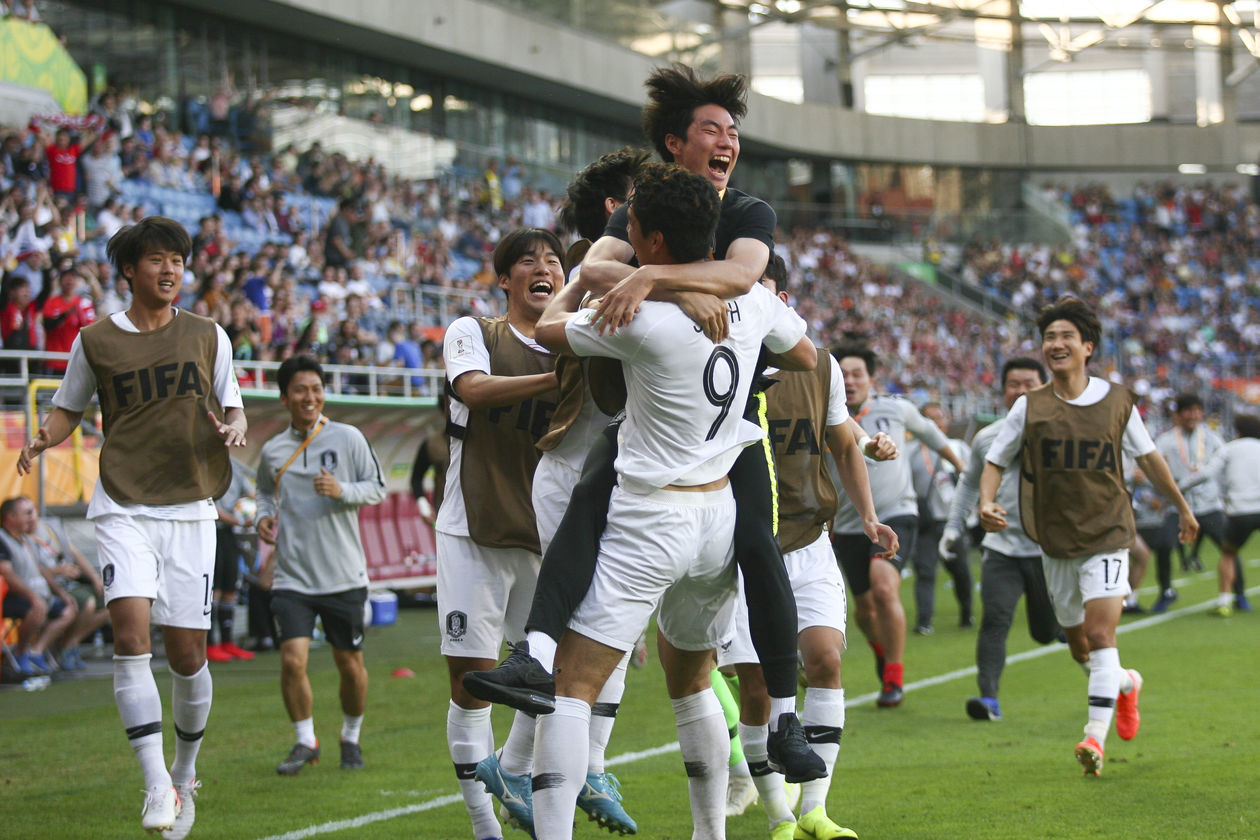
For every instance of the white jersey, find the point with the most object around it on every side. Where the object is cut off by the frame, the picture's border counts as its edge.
(463, 350)
(1011, 541)
(892, 487)
(685, 396)
(1237, 468)
(1005, 449)
(1186, 455)
(79, 386)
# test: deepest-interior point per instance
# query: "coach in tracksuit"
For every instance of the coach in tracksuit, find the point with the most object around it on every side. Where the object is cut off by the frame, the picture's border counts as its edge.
(312, 479)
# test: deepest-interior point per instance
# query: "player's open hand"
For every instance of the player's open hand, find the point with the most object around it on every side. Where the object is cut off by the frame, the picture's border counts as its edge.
(881, 448)
(232, 434)
(36, 445)
(993, 517)
(620, 304)
(885, 538)
(708, 311)
(326, 484)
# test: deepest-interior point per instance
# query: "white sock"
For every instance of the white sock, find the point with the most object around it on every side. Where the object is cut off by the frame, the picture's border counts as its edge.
(604, 714)
(543, 648)
(517, 755)
(190, 709)
(305, 732)
(1225, 599)
(740, 769)
(140, 707)
(1104, 685)
(1126, 681)
(560, 767)
(769, 783)
(705, 745)
(350, 726)
(823, 719)
(781, 706)
(470, 738)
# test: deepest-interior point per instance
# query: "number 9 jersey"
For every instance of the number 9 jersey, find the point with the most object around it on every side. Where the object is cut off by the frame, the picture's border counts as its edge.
(684, 394)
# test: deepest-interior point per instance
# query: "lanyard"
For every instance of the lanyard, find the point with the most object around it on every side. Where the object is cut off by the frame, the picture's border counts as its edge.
(1199, 450)
(319, 427)
(927, 459)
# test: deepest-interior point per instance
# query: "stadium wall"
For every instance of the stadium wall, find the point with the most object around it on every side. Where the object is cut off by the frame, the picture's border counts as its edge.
(530, 55)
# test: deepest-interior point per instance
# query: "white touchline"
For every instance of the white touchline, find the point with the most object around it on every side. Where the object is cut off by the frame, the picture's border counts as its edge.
(663, 749)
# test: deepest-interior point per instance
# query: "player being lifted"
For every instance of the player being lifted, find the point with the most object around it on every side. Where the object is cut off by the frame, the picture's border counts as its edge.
(1071, 437)
(669, 537)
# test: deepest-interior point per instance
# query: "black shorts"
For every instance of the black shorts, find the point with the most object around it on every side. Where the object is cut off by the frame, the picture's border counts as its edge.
(16, 607)
(227, 559)
(1239, 528)
(341, 613)
(854, 551)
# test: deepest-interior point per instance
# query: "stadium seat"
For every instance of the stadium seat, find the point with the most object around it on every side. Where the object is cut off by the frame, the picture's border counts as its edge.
(370, 532)
(417, 535)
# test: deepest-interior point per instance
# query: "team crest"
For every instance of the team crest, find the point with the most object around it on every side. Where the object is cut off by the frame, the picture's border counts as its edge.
(883, 424)
(107, 574)
(456, 624)
(328, 460)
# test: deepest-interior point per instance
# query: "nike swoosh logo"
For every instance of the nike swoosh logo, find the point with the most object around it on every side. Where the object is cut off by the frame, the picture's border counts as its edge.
(206, 611)
(356, 640)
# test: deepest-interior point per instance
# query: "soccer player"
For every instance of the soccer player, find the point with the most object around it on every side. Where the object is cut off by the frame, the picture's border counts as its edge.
(934, 481)
(157, 370)
(807, 417)
(874, 578)
(669, 538)
(1188, 447)
(312, 479)
(693, 123)
(1011, 565)
(502, 386)
(1236, 468)
(1072, 436)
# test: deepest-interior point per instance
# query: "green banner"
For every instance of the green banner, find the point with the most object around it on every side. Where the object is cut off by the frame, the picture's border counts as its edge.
(924, 271)
(31, 55)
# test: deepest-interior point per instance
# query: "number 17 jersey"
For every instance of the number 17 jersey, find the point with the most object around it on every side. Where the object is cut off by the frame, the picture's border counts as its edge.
(685, 395)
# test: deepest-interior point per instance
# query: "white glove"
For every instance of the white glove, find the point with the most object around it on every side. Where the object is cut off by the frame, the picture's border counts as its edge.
(948, 540)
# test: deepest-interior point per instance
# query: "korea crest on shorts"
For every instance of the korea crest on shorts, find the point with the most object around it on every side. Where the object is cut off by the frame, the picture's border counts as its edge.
(107, 574)
(456, 624)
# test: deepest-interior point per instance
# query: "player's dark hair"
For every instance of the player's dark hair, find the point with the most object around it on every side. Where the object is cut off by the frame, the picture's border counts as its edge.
(8, 506)
(1247, 425)
(1022, 363)
(861, 351)
(294, 365)
(675, 92)
(1078, 313)
(1183, 401)
(520, 242)
(153, 233)
(680, 204)
(609, 177)
(776, 270)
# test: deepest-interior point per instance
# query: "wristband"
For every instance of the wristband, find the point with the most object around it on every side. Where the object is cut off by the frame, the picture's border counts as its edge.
(863, 442)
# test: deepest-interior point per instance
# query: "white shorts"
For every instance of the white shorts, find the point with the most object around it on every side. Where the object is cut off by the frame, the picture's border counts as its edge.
(168, 561)
(1073, 583)
(673, 548)
(817, 586)
(553, 485)
(483, 595)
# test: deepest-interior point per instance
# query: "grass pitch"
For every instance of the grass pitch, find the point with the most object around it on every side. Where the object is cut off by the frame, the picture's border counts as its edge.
(921, 771)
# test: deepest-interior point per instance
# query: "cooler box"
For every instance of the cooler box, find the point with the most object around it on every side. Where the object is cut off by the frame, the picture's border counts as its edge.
(384, 608)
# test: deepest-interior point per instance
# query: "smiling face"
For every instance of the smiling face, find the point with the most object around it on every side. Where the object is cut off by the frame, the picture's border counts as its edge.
(857, 381)
(1019, 381)
(711, 147)
(532, 281)
(1188, 418)
(156, 278)
(1064, 350)
(304, 398)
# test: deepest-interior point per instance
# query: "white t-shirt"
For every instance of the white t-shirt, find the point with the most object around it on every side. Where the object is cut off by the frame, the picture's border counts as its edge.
(464, 350)
(685, 396)
(837, 411)
(78, 388)
(1005, 449)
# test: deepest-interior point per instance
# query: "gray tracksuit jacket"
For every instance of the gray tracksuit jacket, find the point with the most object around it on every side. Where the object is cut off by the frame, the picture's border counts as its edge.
(318, 548)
